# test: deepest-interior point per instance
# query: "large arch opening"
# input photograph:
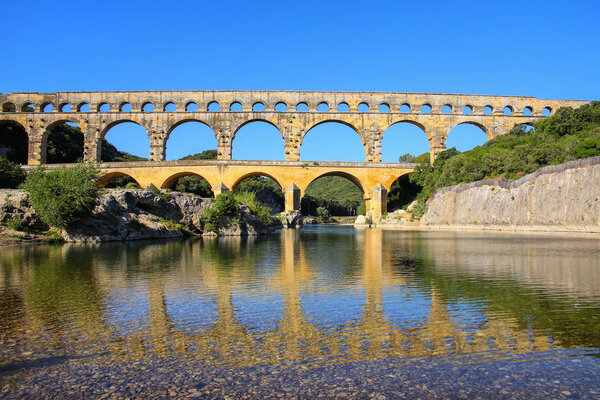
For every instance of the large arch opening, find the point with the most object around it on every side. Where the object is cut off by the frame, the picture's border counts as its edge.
(403, 142)
(125, 141)
(65, 143)
(335, 195)
(191, 140)
(258, 140)
(466, 136)
(402, 193)
(14, 142)
(332, 141)
(118, 180)
(262, 188)
(189, 182)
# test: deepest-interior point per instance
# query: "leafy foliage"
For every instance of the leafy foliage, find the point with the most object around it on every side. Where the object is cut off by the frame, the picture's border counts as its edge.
(568, 135)
(205, 155)
(224, 205)
(13, 142)
(336, 194)
(62, 196)
(323, 214)
(11, 175)
(265, 190)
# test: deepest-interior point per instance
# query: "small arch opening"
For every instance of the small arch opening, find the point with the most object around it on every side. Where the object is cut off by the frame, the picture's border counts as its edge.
(384, 108)
(236, 106)
(426, 108)
(323, 107)
(65, 107)
(446, 109)
(8, 107)
(47, 107)
(170, 107)
(14, 142)
(547, 111)
(508, 110)
(468, 110)
(264, 189)
(488, 110)
(302, 107)
(28, 107)
(333, 195)
(405, 108)
(281, 107)
(363, 107)
(191, 107)
(258, 106)
(528, 111)
(83, 107)
(104, 107)
(343, 107)
(147, 107)
(126, 107)
(213, 106)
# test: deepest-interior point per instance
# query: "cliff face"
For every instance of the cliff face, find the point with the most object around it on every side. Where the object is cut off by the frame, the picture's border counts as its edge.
(559, 197)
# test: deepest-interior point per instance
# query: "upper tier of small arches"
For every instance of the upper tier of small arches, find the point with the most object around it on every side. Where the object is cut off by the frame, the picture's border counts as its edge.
(280, 106)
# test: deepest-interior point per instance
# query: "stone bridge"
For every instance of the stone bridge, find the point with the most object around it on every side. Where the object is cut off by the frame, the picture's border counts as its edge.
(292, 113)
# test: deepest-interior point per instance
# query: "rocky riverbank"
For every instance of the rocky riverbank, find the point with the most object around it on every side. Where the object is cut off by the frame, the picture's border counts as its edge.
(129, 215)
(561, 197)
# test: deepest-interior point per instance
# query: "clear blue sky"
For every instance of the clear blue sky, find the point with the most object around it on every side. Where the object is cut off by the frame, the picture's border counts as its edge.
(547, 49)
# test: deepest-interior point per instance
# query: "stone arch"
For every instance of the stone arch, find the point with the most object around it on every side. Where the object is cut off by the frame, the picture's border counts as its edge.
(170, 181)
(310, 202)
(467, 135)
(64, 107)
(147, 106)
(8, 107)
(107, 178)
(47, 107)
(83, 107)
(256, 173)
(13, 146)
(50, 129)
(167, 105)
(343, 174)
(281, 106)
(113, 124)
(309, 146)
(191, 106)
(260, 120)
(28, 107)
(326, 120)
(477, 124)
(197, 133)
(404, 136)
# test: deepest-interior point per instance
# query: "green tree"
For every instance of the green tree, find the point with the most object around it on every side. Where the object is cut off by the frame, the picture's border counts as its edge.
(62, 196)
(11, 175)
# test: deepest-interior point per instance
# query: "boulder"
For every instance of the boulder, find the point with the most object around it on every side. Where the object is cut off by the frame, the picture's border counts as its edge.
(291, 219)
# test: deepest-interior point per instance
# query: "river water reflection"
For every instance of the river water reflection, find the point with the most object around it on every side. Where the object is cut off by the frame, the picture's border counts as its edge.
(323, 311)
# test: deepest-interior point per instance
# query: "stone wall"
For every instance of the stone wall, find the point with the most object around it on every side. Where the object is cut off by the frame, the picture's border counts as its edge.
(563, 197)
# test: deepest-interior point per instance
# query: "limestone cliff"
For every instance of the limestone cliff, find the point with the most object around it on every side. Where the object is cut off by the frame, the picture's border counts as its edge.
(559, 197)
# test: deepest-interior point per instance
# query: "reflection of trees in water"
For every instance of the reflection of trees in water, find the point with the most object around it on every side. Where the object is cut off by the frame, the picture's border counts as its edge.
(63, 289)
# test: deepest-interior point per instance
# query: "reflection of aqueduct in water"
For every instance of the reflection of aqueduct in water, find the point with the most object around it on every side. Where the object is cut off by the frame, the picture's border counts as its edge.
(292, 113)
(226, 339)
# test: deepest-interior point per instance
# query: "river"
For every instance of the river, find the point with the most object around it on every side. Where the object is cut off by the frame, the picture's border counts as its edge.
(320, 312)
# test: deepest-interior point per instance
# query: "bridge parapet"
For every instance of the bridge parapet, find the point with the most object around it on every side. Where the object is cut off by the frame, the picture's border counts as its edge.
(293, 113)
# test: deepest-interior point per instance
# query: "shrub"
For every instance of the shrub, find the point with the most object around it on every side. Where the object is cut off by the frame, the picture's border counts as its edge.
(14, 224)
(62, 196)
(322, 214)
(223, 205)
(11, 175)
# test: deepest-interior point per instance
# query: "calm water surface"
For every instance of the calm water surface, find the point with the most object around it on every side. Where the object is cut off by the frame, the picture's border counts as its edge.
(322, 312)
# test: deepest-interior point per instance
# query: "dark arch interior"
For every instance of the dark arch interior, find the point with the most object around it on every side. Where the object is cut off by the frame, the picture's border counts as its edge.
(402, 193)
(266, 190)
(65, 144)
(13, 142)
(192, 183)
(339, 195)
(119, 181)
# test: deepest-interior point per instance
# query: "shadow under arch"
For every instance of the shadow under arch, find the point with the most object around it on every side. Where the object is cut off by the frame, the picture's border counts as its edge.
(255, 173)
(327, 141)
(14, 141)
(467, 135)
(404, 136)
(328, 195)
(124, 141)
(191, 138)
(239, 141)
(106, 179)
(189, 182)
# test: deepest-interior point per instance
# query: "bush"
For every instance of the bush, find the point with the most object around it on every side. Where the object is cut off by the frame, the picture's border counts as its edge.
(224, 205)
(322, 214)
(11, 175)
(62, 196)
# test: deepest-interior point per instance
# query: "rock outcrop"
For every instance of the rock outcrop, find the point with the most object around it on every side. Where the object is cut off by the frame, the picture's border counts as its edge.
(291, 219)
(563, 197)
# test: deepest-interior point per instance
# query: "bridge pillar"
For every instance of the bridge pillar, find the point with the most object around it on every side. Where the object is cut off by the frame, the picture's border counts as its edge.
(158, 146)
(36, 152)
(437, 144)
(92, 145)
(220, 188)
(372, 143)
(293, 195)
(378, 202)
